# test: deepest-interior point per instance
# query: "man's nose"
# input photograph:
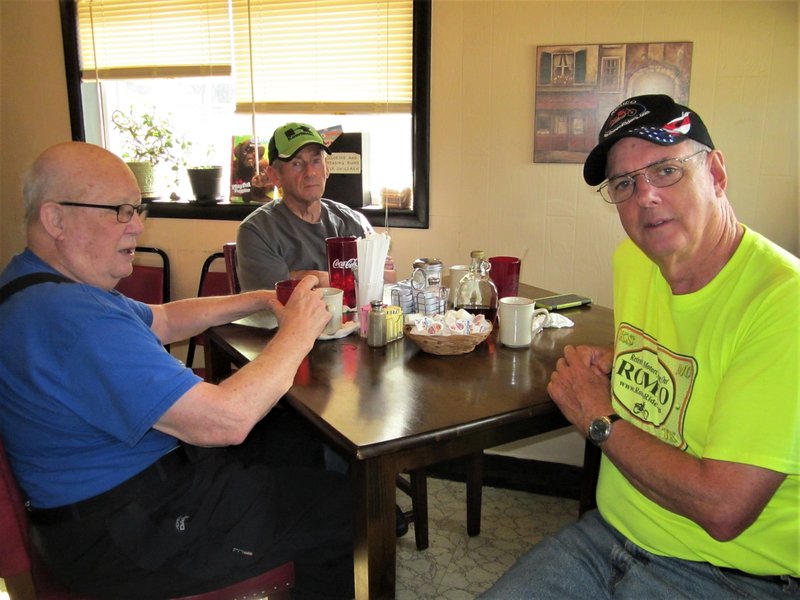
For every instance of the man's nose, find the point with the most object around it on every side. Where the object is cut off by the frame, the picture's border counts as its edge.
(135, 225)
(644, 193)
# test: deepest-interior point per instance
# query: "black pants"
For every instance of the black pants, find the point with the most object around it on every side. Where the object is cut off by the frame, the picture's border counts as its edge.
(225, 515)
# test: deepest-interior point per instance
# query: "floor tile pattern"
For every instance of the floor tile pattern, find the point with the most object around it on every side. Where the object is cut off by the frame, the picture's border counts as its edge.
(458, 567)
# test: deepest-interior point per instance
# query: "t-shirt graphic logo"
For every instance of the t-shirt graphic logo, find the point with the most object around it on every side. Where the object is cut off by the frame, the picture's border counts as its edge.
(653, 384)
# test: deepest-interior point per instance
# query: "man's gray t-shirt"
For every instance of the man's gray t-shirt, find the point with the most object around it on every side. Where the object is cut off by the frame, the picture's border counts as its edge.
(272, 241)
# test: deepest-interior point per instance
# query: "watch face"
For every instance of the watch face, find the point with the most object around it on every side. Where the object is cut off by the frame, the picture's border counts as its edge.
(599, 429)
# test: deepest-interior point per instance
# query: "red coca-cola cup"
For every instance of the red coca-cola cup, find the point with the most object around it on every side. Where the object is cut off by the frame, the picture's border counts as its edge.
(342, 259)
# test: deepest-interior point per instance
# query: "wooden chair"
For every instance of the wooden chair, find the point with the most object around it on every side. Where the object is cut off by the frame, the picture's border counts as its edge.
(26, 577)
(415, 484)
(212, 283)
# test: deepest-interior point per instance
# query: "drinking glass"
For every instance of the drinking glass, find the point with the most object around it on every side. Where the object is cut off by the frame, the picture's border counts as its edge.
(342, 262)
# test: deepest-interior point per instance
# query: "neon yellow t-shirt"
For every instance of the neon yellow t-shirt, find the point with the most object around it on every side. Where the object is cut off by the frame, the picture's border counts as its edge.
(715, 373)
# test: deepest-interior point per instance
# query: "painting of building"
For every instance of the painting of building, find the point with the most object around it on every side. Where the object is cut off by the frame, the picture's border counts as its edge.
(577, 86)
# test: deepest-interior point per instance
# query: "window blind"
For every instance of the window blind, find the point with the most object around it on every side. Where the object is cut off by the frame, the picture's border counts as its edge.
(126, 39)
(323, 56)
(290, 56)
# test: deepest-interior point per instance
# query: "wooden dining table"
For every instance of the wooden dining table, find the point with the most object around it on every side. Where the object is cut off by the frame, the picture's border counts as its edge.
(396, 408)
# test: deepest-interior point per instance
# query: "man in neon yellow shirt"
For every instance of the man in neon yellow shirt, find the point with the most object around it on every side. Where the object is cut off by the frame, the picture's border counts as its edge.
(699, 490)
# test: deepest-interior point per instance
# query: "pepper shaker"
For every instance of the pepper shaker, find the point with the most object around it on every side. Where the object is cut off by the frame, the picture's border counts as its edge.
(376, 329)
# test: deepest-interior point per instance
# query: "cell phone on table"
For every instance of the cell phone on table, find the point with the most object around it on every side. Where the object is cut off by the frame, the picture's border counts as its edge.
(562, 301)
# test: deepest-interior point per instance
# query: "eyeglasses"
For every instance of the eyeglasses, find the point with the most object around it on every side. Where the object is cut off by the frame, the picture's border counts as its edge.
(661, 174)
(124, 211)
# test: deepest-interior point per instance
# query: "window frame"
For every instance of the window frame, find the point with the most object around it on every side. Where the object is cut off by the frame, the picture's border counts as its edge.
(413, 218)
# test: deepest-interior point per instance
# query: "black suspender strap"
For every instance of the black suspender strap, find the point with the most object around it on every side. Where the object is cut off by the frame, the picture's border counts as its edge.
(20, 283)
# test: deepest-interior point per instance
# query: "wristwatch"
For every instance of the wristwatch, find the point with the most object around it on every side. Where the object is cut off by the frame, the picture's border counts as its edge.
(600, 428)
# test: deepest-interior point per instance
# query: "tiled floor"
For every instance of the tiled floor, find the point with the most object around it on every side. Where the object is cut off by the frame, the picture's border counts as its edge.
(458, 567)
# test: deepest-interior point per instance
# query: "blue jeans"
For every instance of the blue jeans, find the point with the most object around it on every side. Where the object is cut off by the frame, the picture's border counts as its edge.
(590, 559)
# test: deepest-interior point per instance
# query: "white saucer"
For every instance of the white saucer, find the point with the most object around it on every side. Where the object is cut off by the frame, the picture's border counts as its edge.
(345, 330)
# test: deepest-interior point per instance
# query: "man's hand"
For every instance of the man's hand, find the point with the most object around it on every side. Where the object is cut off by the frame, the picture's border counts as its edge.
(580, 384)
(305, 313)
(599, 358)
(323, 278)
(221, 415)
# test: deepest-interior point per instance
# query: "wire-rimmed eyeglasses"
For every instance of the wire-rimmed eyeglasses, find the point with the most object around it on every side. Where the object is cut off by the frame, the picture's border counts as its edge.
(124, 211)
(661, 174)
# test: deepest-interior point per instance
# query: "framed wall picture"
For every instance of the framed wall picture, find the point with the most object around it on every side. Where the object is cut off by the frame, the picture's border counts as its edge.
(577, 86)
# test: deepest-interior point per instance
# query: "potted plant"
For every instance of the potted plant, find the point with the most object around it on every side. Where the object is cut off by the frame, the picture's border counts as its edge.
(149, 140)
(206, 179)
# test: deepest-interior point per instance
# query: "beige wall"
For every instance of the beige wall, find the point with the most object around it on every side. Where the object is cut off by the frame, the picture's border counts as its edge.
(33, 103)
(485, 190)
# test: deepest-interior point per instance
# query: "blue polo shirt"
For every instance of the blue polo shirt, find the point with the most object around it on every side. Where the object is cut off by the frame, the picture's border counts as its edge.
(82, 382)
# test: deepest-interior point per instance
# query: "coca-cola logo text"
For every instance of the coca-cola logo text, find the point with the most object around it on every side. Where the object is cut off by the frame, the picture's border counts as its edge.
(350, 263)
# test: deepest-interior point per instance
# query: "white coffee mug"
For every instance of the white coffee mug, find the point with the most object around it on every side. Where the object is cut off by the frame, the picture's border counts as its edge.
(333, 302)
(516, 319)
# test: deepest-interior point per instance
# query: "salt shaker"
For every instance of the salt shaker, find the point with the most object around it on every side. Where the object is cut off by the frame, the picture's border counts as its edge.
(376, 329)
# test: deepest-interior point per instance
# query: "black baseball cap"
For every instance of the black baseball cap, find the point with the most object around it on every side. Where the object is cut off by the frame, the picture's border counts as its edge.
(655, 118)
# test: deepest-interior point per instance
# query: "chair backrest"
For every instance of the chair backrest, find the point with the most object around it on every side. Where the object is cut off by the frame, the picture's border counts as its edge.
(212, 283)
(229, 250)
(147, 283)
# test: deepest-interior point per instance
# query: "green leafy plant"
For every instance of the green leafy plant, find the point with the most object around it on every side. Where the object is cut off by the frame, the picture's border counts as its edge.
(150, 138)
(203, 160)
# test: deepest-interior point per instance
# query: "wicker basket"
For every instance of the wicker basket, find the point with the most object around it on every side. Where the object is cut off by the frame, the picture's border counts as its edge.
(446, 345)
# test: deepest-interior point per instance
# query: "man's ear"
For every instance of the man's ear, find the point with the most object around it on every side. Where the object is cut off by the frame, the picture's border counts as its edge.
(273, 176)
(51, 216)
(718, 173)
